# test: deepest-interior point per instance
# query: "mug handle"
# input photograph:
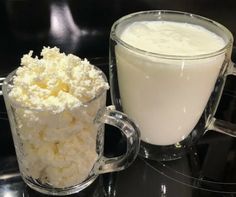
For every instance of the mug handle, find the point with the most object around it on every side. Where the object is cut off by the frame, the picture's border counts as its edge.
(223, 126)
(118, 119)
(1, 82)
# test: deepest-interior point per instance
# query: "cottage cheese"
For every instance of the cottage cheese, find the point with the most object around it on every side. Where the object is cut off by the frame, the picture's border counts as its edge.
(56, 120)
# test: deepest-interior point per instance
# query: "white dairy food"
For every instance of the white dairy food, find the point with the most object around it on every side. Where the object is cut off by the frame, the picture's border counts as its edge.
(56, 124)
(166, 97)
(56, 81)
(172, 38)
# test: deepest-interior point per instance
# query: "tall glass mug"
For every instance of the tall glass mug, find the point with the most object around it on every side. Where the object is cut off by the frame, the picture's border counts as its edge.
(172, 98)
(62, 153)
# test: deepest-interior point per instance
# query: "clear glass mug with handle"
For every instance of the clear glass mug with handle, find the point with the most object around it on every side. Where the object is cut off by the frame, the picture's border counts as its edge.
(172, 98)
(62, 153)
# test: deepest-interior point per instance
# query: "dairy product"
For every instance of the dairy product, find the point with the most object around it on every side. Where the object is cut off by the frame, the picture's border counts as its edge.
(172, 38)
(55, 120)
(164, 96)
(56, 81)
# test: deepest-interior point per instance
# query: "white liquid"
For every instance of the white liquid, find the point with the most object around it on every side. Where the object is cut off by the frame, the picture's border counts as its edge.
(167, 97)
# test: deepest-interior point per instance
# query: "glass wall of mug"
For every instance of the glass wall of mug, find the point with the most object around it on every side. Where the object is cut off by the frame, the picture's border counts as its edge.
(172, 98)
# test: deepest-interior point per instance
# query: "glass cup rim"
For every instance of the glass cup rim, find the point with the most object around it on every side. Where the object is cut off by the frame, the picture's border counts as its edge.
(10, 76)
(115, 37)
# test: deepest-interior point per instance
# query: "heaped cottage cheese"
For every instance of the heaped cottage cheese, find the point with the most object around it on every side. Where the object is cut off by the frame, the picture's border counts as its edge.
(55, 120)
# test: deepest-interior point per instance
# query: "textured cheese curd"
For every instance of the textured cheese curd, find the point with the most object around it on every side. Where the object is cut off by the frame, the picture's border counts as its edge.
(56, 81)
(57, 132)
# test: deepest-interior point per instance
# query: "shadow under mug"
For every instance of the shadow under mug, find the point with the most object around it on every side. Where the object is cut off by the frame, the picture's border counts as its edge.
(61, 153)
(173, 99)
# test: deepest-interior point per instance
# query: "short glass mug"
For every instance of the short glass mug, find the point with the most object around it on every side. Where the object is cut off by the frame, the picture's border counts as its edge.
(62, 153)
(173, 99)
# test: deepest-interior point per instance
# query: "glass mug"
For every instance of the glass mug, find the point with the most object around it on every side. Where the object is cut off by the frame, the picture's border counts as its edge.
(173, 99)
(62, 153)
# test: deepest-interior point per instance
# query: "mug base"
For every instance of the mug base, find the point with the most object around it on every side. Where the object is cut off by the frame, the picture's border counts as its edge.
(50, 190)
(162, 153)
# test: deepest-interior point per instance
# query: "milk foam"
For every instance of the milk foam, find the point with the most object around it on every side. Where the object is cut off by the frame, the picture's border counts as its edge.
(172, 38)
(165, 97)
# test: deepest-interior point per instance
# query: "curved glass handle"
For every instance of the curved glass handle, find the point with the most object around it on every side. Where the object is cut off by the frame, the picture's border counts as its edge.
(223, 126)
(132, 134)
(1, 82)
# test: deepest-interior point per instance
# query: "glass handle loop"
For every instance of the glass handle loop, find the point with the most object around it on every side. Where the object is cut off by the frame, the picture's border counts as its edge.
(115, 118)
(1, 83)
(223, 126)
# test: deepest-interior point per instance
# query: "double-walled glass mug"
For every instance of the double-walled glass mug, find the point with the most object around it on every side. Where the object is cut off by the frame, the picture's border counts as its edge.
(62, 153)
(172, 98)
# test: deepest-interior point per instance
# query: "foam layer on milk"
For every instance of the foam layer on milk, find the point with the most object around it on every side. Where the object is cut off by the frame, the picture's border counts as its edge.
(166, 97)
(172, 38)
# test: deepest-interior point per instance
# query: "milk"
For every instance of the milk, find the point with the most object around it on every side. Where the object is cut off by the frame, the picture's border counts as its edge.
(166, 97)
